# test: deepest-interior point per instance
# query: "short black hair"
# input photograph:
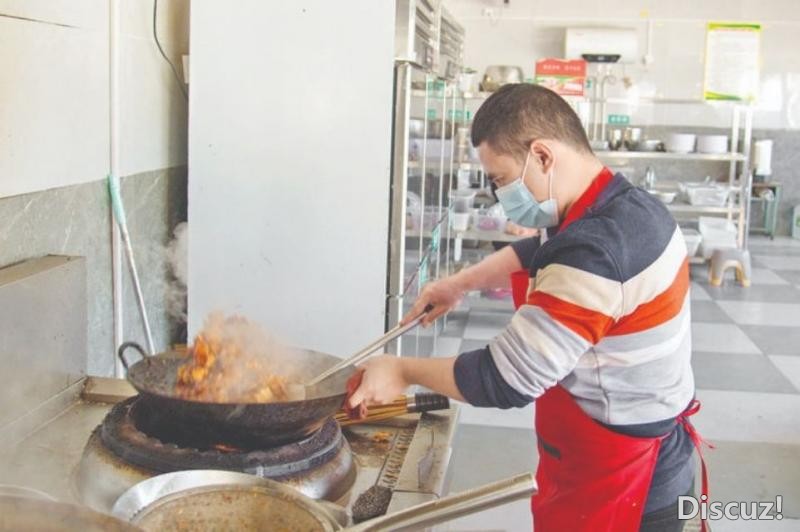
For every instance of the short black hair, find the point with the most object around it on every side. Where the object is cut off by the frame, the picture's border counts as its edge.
(519, 113)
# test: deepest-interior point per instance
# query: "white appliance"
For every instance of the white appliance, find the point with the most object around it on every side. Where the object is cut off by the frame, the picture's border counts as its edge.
(288, 212)
(763, 158)
(580, 42)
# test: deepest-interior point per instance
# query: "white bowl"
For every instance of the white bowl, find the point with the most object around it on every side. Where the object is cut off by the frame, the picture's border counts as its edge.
(666, 197)
(680, 142)
(712, 143)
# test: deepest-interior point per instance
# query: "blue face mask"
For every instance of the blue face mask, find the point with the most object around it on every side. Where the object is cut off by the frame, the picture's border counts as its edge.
(522, 208)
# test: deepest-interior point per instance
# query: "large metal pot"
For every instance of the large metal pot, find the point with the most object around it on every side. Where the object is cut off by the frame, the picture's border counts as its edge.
(222, 500)
(498, 75)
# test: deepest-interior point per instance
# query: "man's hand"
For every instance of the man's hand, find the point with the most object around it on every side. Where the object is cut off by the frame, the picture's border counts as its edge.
(444, 295)
(382, 382)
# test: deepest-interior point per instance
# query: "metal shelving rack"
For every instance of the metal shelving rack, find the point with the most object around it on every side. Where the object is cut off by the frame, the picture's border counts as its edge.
(737, 208)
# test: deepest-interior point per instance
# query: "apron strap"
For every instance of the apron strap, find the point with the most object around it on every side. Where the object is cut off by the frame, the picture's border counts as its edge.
(698, 441)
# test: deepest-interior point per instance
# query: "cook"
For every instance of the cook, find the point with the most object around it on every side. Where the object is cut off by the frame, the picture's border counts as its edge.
(601, 339)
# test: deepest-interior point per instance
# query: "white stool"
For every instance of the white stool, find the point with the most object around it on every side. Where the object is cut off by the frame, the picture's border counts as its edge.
(722, 259)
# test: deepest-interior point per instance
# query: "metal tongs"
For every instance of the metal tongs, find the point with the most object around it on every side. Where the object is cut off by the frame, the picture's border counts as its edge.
(364, 353)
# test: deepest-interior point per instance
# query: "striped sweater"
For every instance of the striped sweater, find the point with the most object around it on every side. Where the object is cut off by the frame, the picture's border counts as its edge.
(607, 317)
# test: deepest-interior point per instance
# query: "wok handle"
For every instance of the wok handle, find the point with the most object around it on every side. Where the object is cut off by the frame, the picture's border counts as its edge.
(126, 345)
(428, 402)
(453, 506)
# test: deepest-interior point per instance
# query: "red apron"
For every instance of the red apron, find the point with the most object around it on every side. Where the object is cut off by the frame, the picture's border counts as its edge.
(590, 478)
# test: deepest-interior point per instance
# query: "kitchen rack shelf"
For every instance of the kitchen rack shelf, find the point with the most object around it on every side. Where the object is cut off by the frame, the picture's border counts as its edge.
(702, 209)
(469, 234)
(656, 155)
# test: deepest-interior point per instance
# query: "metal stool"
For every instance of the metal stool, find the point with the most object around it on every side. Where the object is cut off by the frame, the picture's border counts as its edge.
(722, 259)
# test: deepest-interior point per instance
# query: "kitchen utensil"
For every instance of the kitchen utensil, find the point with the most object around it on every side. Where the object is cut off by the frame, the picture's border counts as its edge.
(631, 138)
(650, 145)
(393, 333)
(199, 500)
(498, 75)
(615, 138)
(680, 142)
(712, 143)
(245, 425)
(25, 513)
(413, 404)
(666, 197)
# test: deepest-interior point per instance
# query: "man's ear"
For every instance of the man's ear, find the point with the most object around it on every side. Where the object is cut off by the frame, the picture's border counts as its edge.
(542, 155)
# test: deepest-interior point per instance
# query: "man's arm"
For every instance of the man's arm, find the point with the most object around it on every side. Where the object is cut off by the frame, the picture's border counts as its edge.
(492, 272)
(386, 377)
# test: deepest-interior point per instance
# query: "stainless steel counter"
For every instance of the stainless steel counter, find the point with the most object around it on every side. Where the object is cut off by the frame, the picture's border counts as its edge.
(46, 460)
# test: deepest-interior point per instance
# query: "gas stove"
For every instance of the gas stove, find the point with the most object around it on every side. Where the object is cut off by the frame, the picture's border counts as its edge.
(409, 454)
(135, 442)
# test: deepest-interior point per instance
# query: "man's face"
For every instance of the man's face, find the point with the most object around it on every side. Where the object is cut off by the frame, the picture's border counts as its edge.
(503, 169)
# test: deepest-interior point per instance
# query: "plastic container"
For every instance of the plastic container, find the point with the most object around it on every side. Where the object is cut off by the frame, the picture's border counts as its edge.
(717, 233)
(707, 196)
(712, 143)
(680, 142)
(462, 200)
(692, 237)
(489, 222)
(461, 221)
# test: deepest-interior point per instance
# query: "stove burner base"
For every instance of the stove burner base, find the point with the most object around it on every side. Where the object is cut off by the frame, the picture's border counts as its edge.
(118, 455)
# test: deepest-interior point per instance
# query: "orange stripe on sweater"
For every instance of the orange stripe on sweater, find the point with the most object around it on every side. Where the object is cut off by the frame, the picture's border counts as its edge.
(659, 310)
(588, 324)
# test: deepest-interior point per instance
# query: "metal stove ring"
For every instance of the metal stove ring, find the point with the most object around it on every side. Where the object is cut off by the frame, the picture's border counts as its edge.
(121, 435)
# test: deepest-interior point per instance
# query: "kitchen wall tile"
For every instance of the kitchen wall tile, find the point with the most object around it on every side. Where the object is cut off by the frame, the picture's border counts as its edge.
(774, 339)
(748, 373)
(732, 291)
(709, 312)
(87, 14)
(789, 366)
(54, 110)
(153, 113)
(758, 313)
(755, 471)
(748, 416)
(721, 338)
(75, 221)
(764, 276)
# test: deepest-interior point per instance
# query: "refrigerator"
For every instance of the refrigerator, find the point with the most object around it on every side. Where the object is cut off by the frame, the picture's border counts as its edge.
(290, 130)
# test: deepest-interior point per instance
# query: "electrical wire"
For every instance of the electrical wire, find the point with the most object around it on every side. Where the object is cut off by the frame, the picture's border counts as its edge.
(164, 55)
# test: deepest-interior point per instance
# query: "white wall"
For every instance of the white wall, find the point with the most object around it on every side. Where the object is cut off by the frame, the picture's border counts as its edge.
(528, 30)
(54, 92)
(289, 165)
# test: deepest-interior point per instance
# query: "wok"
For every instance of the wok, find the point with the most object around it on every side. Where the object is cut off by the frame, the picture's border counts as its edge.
(245, 425)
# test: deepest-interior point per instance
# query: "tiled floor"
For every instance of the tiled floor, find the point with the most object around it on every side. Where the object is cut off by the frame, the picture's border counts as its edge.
(747, 369)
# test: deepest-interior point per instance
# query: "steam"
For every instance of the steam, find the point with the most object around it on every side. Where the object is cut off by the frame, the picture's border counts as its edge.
(249, 363)
(177, 257)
